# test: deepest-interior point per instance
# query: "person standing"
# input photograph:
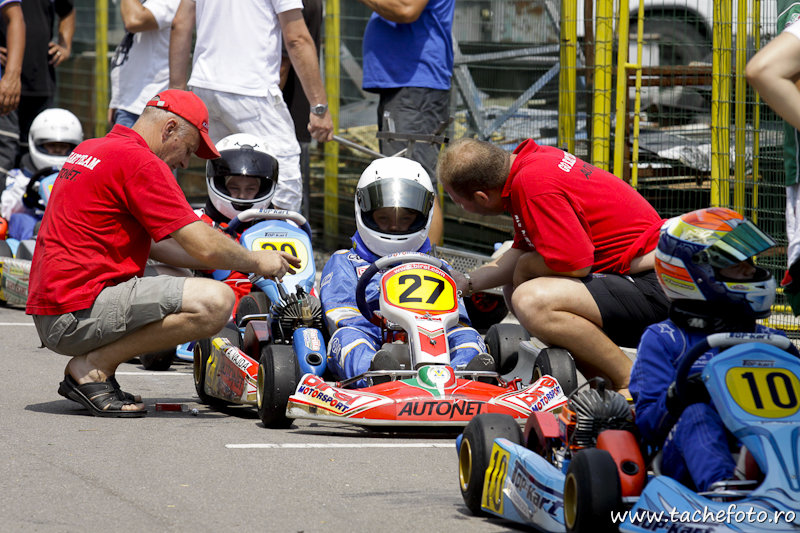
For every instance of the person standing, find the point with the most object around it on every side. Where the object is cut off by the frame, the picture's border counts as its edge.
(408, 62)
(140, 66)
(236, 72)
(114, 203)
(11, 57)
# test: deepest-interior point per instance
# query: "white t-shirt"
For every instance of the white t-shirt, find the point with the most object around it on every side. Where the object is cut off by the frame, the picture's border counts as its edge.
(145, 72)
(238, 47)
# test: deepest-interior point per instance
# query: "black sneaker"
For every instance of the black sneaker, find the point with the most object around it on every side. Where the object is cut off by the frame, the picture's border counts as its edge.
(483, 362)
(383, 360)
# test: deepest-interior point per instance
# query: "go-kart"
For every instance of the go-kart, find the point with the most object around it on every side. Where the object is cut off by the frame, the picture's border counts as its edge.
(418, 304)
(280, 323)
(37, 194)
(584, 470)
(273, 232)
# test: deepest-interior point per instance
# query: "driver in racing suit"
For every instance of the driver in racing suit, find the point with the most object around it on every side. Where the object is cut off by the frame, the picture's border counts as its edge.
(393, 202)
(245, 176)
(53, 134)
(710, 292)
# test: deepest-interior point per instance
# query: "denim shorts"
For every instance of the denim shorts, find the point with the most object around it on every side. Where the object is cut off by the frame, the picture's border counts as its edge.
(117, 311)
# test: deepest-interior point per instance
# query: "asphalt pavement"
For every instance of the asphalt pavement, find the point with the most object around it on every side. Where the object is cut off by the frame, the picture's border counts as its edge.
(63, 470)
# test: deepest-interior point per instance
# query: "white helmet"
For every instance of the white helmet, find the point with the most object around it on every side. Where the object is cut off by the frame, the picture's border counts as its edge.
(53, 125)
(241, 154)
(395, 182)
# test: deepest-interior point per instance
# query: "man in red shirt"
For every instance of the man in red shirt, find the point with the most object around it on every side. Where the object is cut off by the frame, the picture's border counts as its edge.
(581, 266)
(114, 197)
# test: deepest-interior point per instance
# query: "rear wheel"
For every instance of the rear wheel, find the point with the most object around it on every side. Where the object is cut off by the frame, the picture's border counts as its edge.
(255, 303)
(475, 452)
(502, 343)
(159, 361)
(202, 352)
(278, 375)
(485, 309)
(5, 250)
(591, 492)
(557, 362)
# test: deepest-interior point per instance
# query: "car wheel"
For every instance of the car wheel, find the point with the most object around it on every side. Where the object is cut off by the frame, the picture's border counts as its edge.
(591, 492)
(278, 374)
(557, 362)
(159, 361)
(474, 455)
(485, 310)
(5, 250)
(255, 303)
(502, 343)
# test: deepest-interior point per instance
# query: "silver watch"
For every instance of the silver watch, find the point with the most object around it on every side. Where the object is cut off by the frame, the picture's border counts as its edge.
(319, 109)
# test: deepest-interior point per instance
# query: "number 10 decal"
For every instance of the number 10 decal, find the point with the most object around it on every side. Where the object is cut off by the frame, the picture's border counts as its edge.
(765, 392)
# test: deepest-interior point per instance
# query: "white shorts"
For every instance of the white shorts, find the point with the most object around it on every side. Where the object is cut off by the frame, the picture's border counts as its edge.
(793, 223)
(267, 118)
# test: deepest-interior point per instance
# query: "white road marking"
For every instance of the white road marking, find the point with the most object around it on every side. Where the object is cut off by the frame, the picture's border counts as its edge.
(308, 445)
(16, 323)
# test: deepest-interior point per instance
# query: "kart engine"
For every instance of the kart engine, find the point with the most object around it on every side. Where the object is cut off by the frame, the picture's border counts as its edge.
(298, 310)
(589, 412)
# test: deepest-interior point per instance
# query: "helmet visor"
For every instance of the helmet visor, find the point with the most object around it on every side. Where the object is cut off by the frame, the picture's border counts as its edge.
(740, 244)
(244, 162)
(395, 206)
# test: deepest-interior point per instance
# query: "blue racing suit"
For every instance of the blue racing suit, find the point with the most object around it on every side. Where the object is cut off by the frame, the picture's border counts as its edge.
(354, 340)
(696, 446)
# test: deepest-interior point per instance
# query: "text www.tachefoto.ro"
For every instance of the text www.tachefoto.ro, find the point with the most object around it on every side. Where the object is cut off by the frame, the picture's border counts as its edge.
(730, 515)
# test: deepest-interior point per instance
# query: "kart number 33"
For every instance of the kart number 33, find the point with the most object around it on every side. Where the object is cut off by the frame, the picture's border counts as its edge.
(765, 392)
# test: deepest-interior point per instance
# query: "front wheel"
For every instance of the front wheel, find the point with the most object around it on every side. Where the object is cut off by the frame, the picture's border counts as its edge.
(475, 452)
(278, 375)
(557, 362)
(158, 361)
(591, 492)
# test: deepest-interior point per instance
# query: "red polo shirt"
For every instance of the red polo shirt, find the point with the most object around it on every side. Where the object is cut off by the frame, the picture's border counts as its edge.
(110, 199)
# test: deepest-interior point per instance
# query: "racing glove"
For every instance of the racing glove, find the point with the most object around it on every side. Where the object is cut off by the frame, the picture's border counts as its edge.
(694, 392)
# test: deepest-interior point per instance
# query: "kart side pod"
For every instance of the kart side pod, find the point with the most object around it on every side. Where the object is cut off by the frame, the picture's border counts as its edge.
(307, 343)
(625, 451)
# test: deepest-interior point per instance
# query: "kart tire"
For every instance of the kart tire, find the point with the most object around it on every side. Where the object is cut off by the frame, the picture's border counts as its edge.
(5, 250)
(475, 452)
(557, 362)
(255, 303)
(502, 343)
(485, 310)
(158, 361)
(278, 375)
(202, 352)
(591, 492)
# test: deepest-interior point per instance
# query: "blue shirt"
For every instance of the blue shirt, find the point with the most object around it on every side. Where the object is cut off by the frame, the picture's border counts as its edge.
(419, 54)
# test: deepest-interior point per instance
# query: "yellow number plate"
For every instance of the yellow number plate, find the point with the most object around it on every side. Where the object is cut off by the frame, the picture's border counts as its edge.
(764, 392)
(420, 289)
(290, 246)
(495, 479)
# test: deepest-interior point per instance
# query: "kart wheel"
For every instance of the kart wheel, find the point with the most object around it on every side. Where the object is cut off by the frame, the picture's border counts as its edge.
(278, 374)
(591, 492)
(5, 250)
(475, 453)
(158, 361)
(485, 310)
(255, 303)
(502, 343)
(202, 350)
(557, 362)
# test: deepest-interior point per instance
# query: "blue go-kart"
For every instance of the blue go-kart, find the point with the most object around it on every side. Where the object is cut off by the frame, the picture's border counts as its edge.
(584, 472)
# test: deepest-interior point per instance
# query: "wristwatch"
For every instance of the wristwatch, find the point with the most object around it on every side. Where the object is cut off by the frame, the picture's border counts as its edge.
(319, 109)
(468, 292)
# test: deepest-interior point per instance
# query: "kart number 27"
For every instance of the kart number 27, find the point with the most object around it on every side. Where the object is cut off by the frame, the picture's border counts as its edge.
(420, 289)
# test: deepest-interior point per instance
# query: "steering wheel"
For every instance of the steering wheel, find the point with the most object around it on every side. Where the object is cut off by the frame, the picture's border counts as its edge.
(32, 199)
(725, 340)
(383, 263)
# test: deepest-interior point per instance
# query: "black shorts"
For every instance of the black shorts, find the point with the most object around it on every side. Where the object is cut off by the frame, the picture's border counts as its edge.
(628, 304)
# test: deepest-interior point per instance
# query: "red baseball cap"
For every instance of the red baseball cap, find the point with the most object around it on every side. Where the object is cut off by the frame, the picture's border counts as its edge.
(189, 106)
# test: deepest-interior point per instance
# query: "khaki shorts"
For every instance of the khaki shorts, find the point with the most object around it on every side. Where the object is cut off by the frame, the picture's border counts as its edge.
(117, 311)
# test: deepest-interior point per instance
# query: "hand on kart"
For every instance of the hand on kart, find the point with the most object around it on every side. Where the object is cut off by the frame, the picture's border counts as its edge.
(273, 264)
(459, 278)
(695, 392)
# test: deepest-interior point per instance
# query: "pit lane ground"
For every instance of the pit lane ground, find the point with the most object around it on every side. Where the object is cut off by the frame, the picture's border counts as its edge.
(62, 470)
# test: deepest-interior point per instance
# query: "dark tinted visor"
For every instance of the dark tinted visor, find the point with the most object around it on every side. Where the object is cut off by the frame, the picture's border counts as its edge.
(407, 199)
(244, 161)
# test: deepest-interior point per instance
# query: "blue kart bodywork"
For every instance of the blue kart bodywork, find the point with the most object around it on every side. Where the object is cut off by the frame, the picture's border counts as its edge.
(755, 388)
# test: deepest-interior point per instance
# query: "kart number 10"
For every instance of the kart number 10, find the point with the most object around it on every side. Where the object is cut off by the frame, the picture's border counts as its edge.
(765, 392)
